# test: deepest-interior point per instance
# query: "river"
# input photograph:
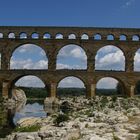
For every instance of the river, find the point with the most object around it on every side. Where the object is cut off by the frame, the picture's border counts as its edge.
(9, 120)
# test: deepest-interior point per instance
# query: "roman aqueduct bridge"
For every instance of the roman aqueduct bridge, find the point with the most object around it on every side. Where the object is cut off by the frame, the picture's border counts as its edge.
(52, 39)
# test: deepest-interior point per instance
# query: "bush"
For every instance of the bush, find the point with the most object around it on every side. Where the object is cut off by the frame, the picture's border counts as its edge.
(61, 118)
(138, 137)
(33, 128)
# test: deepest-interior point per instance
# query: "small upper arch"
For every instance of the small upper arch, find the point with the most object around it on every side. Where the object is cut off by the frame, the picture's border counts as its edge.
(71, 36)
(47, 36)
(97, 36)
(123, 37)
(84, 36)
(59, 36)
(11, 35)
(135, 38)
(35, 35)
(110, 37)
(23, 35)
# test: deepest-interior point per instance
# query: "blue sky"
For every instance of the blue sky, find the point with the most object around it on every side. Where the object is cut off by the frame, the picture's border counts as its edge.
(110, 13)
(94, 13)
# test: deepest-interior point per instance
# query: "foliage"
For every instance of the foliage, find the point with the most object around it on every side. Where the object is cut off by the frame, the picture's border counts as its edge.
(138, 137)
(33, 92)
(61, 118)
(33, 128)
(115, 137)
(70, 91)
(106, 92)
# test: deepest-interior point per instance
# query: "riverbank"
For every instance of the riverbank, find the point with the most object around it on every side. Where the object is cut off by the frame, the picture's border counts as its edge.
(101, 118)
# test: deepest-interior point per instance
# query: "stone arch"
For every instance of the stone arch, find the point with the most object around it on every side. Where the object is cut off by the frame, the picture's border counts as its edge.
(33, 52)
(110, 37)
(47, 36)
(11, 35)
(35, 35)
(84, 36)
(107, 58)
(97, 36)
(113, 81)
(73, 52)
(74, 81)
(123, 37)
(71, 36)
(23, 35)
(59, 36)
(28, 78)
(135, 38)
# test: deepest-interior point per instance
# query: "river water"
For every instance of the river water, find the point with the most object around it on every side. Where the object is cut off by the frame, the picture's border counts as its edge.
(9, 120)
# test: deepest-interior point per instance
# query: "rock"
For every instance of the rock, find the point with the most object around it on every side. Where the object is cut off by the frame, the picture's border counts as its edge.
(96, 137)
(45, 134)
(30, 137)
(73, 135)
(30, 121)
(18, 95)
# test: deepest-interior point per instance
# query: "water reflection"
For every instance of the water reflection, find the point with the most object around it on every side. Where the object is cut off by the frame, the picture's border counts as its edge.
(11, 115)
(30, 110)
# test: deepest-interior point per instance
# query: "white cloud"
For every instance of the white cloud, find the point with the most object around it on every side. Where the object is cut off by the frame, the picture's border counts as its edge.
(30, 81)
(113, 60)
(28, 64)
(128, 3)
(137, 61)
(107, 83)
(71, 82)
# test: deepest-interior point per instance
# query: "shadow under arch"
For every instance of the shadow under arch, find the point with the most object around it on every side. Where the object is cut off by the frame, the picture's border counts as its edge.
(15, 80)
(137, 88)
(82, 84)
(28, 50)
(82, 54)
(109, 55)
(120, 86)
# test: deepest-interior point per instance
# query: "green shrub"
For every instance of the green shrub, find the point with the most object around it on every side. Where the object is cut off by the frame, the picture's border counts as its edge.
(61, 118)
(33, 128)
(138, 137)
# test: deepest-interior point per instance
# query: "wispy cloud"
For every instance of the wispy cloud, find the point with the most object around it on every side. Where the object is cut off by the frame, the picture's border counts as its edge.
(128, 3)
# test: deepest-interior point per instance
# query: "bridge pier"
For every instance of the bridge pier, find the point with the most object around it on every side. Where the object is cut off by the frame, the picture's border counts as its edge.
(130, 90)
(5, 89)
(53, 89)
(91, 91)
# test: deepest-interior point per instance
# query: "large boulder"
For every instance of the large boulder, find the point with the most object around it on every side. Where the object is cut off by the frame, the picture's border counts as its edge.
(18, 95)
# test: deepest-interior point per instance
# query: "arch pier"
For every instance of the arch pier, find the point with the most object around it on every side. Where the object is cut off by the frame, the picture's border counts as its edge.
(53, 39)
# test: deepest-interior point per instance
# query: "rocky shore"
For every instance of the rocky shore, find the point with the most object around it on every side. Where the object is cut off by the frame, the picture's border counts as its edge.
(101, 118)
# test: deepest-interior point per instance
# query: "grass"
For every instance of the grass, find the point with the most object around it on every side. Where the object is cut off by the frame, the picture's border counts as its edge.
(33, 128)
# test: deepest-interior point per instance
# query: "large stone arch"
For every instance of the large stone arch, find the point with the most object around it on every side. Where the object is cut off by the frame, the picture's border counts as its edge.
(112, 48)
(27, 46)
(81, 49)
(83, 81)
(17, 45)
(18, 77)
(119, 80)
